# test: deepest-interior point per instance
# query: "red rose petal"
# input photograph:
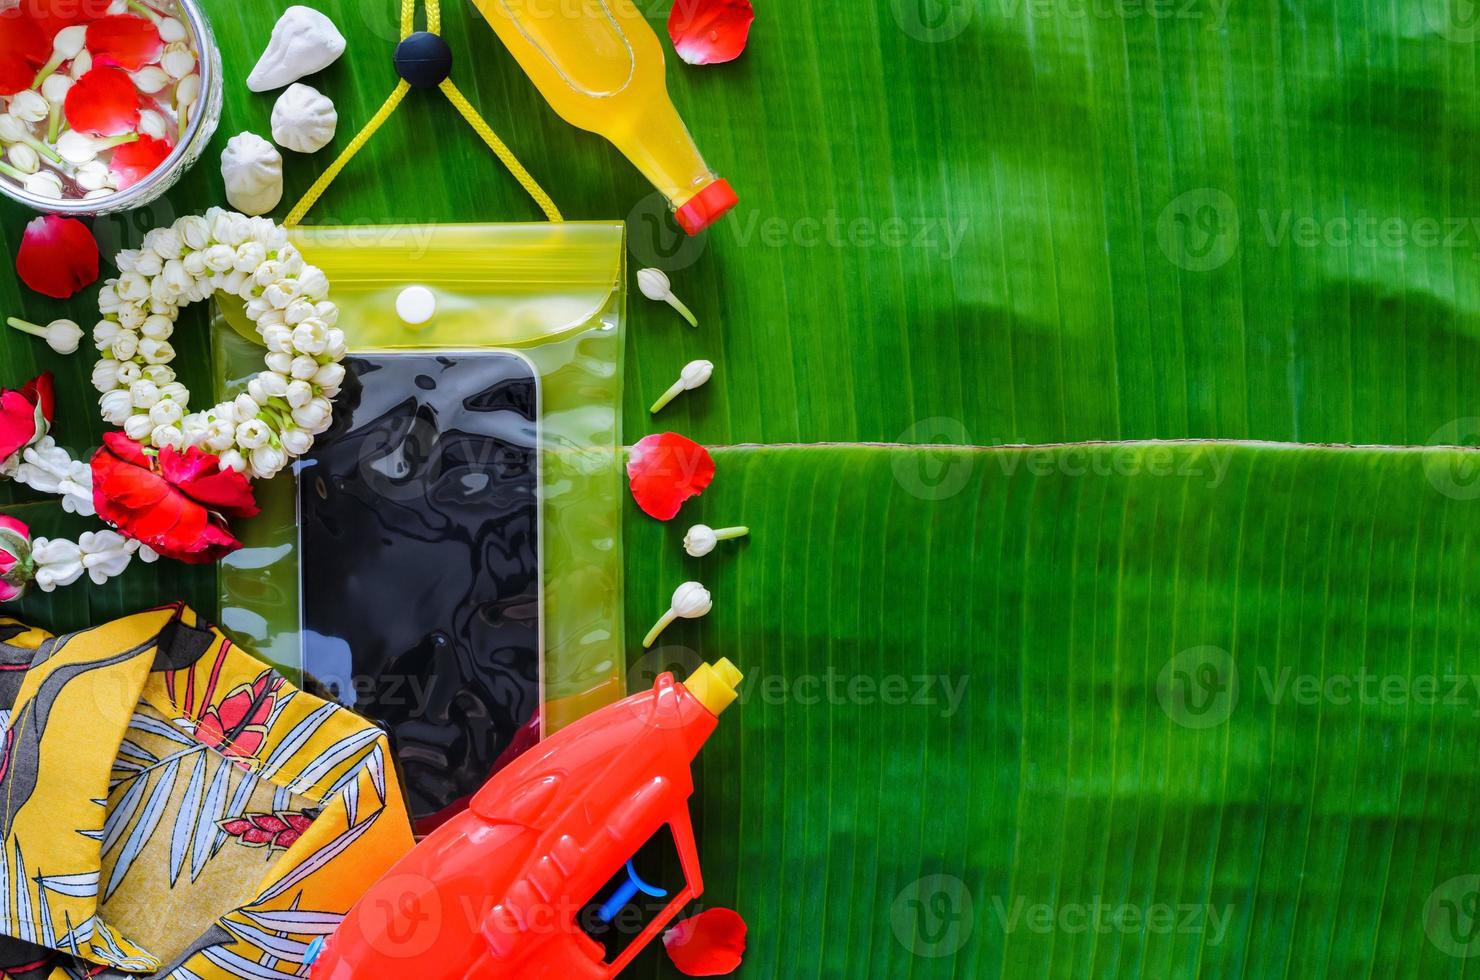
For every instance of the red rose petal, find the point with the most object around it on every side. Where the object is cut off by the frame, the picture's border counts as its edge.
(199, 476)
(23, 50)
(104, 102)
(51, 16)
(40, 392)
(132, 162)
(125, 40)
(709, 944)
(708, 32)
(665, 470)
(58, 256)
(16, 525)
(18, 422)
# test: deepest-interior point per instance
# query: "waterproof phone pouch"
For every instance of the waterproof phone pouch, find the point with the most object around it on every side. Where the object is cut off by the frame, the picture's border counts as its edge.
(447, 559)
(426, 488)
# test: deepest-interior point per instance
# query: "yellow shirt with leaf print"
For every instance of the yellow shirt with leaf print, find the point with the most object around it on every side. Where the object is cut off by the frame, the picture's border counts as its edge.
(170, 806)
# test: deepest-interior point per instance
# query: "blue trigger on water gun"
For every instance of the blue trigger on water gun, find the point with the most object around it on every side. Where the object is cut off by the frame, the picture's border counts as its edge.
(625, 893)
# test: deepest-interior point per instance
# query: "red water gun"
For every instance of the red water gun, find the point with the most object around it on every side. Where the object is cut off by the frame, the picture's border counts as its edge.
(498, 891)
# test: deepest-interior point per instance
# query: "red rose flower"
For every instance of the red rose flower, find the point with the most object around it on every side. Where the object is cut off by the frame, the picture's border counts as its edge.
(25, 415)
(709, 944)
(58, 257)
(708, 32)
(104, 102)
(177, 503)
(665, 470)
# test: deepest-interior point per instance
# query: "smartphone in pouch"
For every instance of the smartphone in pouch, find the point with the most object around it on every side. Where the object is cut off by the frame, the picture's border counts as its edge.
(419, 516)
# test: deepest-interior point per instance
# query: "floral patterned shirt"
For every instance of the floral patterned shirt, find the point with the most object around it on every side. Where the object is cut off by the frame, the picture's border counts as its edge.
(172, 807)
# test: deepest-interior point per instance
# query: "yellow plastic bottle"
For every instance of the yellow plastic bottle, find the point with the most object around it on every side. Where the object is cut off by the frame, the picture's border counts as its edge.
(600, 66)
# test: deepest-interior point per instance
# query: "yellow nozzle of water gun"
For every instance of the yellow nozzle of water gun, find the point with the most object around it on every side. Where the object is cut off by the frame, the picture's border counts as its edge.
(715, 685)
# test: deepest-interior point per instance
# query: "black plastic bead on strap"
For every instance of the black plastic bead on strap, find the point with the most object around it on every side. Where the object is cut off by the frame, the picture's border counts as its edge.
(424, 59)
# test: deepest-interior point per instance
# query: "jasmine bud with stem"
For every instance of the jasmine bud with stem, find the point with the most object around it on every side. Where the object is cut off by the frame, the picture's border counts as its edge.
(79, 148)
(695, 374)
(23, 158)
(690, 601)
(12, 130)
(655, 286)
(62, 336)
(55, 90)
(68, 45)
(702, 538)
(187, 93)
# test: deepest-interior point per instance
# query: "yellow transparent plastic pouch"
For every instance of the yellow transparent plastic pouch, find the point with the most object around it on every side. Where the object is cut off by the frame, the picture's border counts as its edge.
(552, 294)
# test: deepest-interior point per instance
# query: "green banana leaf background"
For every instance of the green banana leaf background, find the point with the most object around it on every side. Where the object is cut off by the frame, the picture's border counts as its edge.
(1098, 378)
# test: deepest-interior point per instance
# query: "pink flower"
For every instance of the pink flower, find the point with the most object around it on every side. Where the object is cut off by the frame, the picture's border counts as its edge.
(15, 558)
(25, 415)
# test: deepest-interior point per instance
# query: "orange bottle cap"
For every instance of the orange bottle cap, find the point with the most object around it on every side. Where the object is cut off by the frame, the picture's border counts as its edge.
(707, 206)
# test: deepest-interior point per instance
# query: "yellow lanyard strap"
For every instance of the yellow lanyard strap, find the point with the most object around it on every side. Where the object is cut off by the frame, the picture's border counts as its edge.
(408, 27)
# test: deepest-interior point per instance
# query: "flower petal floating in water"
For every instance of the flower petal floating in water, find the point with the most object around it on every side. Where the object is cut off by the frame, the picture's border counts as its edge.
(23, 50)
(132, 162)
(54, 16)
(710, 32)
(58, 257)
(104, 102)
(665, 470)
(126, 41)
(710, 944)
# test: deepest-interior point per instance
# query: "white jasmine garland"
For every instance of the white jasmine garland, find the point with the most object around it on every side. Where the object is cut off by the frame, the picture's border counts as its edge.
(257, 433)
(262, 429)
(100, 555)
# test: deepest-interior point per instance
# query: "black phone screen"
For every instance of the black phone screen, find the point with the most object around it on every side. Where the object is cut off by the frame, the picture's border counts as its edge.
(420, 527)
